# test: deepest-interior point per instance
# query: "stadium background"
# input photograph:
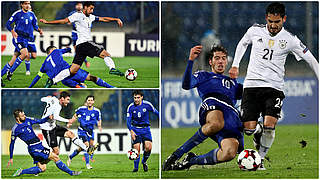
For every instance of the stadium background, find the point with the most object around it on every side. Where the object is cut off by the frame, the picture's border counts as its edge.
(136, 45)
(112, 104)
(186, 24)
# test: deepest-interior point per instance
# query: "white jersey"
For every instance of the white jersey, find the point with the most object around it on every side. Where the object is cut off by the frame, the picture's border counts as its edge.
(83, 26)
(268, 56)
(53, 104)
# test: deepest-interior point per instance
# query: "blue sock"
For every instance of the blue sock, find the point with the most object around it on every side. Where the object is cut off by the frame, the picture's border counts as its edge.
(210, 158)
(75, 152)
(146, 155)
(27, 65)
(196, 139)
(102, 83)
(5, 69)
(63, 167)
(86, 157)
(91, 157)
(15, 64)
(32, 170)
(136, 163)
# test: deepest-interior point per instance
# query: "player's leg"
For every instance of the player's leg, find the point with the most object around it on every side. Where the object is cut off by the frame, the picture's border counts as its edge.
(98, 81)
(91, 143)
(109, 62)
(146, 154)
(51, 139)
(137, 147)
(61, 165)
(214, 122)
(39, 168)
(86, 62)
(63, 132)
(23, 54)
(6, 68)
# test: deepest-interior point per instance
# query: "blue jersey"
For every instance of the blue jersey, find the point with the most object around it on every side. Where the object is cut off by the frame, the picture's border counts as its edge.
(138, 116)
(25, 23)
(54, 63)
(25, 132)
(88, 118)
(210, 84)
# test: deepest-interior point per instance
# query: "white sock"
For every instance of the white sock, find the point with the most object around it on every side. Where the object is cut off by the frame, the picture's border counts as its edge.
(79, 143)
(109, 62)
(63, 74)
(267, 138)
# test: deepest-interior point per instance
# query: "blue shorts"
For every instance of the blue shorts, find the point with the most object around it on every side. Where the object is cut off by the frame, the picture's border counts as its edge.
(79, 77)
(74, 37)
(85, 135)
(20, 43)
(232, 123)
(142, 134)
(31, 47)
(39, 153)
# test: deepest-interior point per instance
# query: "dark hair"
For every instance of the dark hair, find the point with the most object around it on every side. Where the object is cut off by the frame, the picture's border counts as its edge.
(64, 94)
(88, 3)
(276, 8)
(136, 92)
(216, 48)
(21, 2)
(16, 112)
(78, 2)
(90, 96)
(49, 49)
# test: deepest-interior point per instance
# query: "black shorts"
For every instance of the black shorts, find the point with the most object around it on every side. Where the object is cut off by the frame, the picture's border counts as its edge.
(51, 136)
(85, 49)
(261, 100)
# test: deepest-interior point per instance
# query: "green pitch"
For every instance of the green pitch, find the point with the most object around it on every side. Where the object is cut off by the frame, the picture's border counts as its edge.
(104, 167)
(287, 158)
(146, 67)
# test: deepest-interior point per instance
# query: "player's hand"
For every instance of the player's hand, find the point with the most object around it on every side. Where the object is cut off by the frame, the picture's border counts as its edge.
(100, 128)
(40, 31)
(133, 135)
(51, 116)
(43, 21)
(10, 162)
(120, 24)
(14, 34)
(234, 72)
(194, 52)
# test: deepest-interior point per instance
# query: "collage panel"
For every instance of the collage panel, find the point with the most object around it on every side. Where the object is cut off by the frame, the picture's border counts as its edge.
(209, 52)
(84, 132)
(117, 44)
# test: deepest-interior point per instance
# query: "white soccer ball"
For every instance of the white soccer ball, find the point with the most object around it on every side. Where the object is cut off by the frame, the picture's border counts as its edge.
(131, 74)
(249, 159)
(133, 154)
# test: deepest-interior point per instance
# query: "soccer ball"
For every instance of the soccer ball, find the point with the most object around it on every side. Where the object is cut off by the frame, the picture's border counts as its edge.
(249, 159)
(131, 74)
(133, 154)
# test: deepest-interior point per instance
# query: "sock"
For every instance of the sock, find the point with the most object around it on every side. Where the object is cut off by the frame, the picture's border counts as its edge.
(86, 157)
(75, 153)
(5, 69)
(15, 64)
(91, 157)
(249, 132)
(27, 65)
(196, 139)
(109, 62)
(267, 139)
(210, 158)
(32, 170)
(63, 167)
(146, 155)
(62, 75)
(136, 163)
(102, 83)
(79, 143)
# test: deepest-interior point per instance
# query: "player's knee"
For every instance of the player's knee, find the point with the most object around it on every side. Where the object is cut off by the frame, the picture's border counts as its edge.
(43, 168)
(93, 78)
(229, 153)
(148, 148)
(56, 151)
(214, 126)
(69, 134)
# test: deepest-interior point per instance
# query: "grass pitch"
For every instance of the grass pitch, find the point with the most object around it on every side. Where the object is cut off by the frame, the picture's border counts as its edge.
(105, 167)
(146, 67)
(287, 158)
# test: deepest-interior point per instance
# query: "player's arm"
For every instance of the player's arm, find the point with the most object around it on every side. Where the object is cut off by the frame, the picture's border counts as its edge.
(60, 21)
(99, 122)
(129, 119)
(35, 25)
(11, 148)
(8, 26)
(303, 52)
(43, 120)
(189, 81)
(65, 50)
(240, 50)
(110, 19)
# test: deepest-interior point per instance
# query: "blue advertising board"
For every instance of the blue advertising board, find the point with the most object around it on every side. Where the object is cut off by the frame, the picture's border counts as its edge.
(180, 107)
